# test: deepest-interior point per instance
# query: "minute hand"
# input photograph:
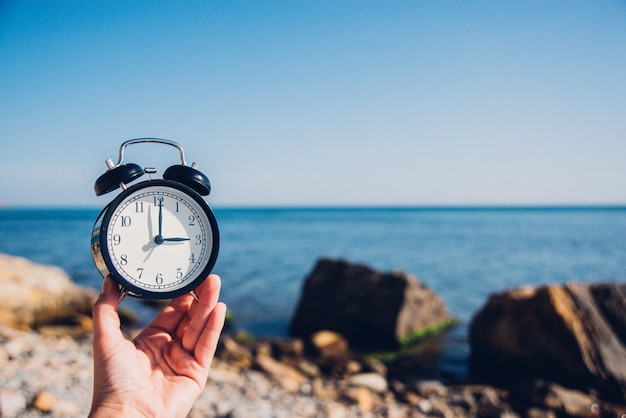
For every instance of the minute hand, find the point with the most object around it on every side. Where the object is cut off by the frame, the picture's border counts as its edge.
(176, 239)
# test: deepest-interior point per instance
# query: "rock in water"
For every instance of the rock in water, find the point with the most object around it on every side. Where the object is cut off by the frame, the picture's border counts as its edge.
(34, 294)
(371, 309)
(574, 334)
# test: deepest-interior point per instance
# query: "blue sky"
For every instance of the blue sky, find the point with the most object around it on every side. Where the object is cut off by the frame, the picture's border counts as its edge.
(319, 103)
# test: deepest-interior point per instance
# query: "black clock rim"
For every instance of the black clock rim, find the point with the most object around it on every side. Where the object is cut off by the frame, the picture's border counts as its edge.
(141, 292)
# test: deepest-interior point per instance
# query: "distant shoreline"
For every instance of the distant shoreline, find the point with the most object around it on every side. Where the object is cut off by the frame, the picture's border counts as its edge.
(400, 208)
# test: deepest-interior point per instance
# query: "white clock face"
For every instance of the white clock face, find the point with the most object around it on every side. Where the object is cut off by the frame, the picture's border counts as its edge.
(159, 239)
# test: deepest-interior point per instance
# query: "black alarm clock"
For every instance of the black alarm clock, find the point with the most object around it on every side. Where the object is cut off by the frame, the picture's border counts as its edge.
(158, 239)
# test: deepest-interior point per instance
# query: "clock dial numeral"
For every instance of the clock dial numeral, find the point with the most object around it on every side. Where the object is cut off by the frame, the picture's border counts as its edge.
(140, 271)
(138, 207)
(123, 259)
(126, 221)
(117, 239)
(192, 220)
(159, 278)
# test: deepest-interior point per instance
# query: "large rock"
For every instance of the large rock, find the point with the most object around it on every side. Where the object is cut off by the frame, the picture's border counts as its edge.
(34, 295)
(574, 334)
(371, 309)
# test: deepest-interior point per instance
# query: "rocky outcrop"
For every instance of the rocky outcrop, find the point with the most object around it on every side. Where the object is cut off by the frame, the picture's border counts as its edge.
(574, 334)
(371, 309)
(34, 295)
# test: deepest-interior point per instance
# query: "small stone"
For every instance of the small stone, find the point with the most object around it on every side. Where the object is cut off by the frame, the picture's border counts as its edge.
(65, 408)
(234, 352)
(307, 368)
(490, 405)
(424, 405)
(540, 413)
(292, 347)
(11, 403)
(363, 398)
(428, 388)
(412, 398)
(323, 391)
(17, 347)
(463, 400)
(570, 401)
(372, 381)
(263, 348)
(353, 367)
(329, 343)
(441, 409)
(288, 377)
(44, 401)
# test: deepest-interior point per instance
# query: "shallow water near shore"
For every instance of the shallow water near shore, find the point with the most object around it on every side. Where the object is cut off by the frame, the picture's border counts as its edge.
(463, 254)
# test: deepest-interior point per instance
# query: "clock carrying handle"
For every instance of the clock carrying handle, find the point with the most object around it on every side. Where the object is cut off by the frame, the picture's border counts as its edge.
(150, 140)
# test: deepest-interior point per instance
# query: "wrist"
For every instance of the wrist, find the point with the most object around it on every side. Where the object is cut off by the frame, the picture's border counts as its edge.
(114, 410)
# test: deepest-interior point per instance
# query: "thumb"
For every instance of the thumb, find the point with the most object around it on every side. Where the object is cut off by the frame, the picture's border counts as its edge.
(106, 321)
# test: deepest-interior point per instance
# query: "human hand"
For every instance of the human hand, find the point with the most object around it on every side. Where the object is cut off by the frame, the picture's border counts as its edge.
(164, 369)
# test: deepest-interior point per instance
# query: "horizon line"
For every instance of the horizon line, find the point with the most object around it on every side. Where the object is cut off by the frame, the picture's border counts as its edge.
(425, 206)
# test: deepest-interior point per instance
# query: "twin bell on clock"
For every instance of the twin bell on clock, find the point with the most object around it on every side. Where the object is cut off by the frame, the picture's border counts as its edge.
(158, 238)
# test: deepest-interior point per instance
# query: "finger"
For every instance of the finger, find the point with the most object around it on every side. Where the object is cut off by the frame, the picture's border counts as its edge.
(171, 316)
(208, 293)
(207, 343)
(184, 323)
(106, 321)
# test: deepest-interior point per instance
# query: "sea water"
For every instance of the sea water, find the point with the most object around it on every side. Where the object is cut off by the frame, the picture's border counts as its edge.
(463, 254)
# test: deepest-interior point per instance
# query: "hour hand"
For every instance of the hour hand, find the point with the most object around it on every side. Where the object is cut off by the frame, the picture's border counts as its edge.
(175, 239)
(150, 236)
(149, 253)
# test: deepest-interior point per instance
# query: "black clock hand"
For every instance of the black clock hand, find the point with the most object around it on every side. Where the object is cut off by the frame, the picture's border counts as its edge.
(161, 218)
(158, 240)
(176, 239)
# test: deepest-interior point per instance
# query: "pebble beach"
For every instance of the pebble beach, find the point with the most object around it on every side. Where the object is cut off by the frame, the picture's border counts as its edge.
(51, 376)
